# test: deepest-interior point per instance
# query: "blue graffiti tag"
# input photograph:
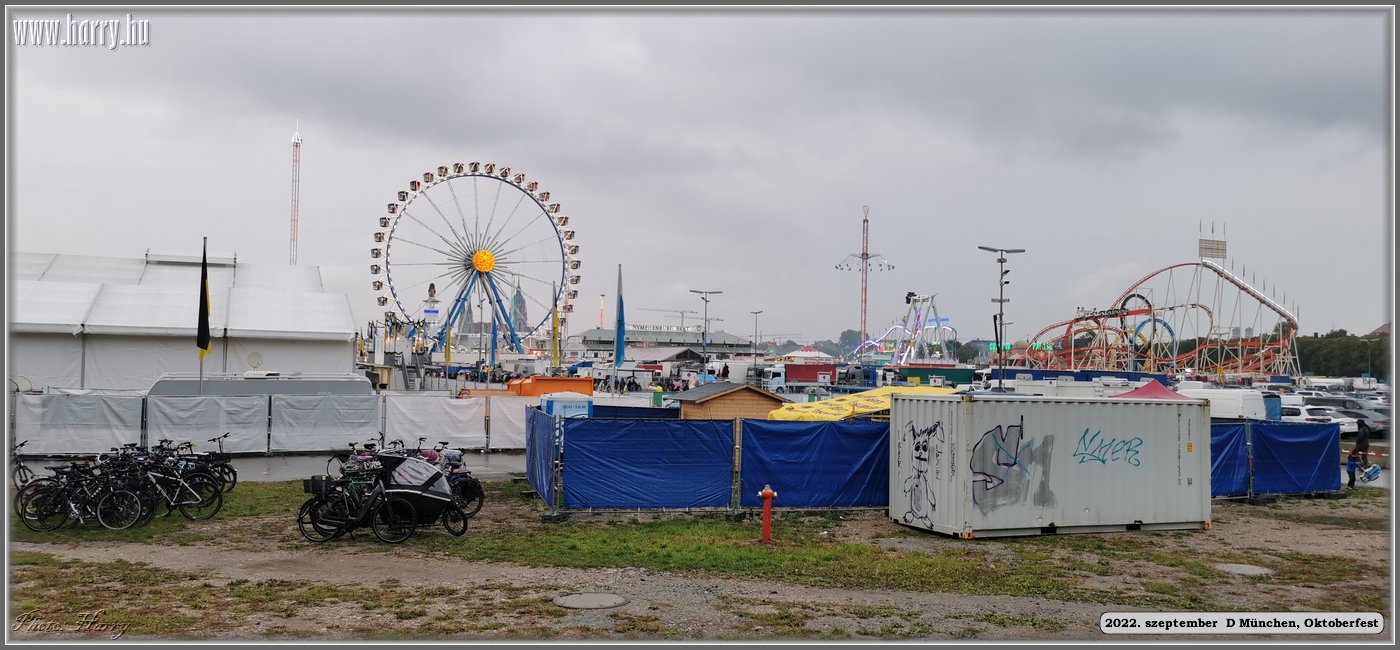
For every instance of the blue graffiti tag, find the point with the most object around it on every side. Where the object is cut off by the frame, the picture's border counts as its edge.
(1107, 449)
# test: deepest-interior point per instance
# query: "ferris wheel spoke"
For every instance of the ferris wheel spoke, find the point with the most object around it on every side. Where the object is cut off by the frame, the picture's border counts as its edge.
(456, 246)
(492, 218)
(537, 242)
(459, 237)
(495, 239)
(458, 204)
(449, 256)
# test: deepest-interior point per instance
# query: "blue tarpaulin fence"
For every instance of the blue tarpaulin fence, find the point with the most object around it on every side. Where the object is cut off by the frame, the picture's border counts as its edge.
(1229, 460)
(689, 464)
(540, 453)
(1257, 457)
(648, 463)
(816, 464)
(1296, 458)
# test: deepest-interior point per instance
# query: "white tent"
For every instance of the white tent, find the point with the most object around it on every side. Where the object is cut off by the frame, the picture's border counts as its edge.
(113, 323)
(807, 354)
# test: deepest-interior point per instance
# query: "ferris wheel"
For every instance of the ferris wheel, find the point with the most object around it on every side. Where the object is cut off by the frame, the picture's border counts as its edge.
(474, 235)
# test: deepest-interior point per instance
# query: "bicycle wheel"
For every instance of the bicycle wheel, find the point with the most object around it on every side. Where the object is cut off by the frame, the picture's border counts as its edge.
(454, 520)
(227, 473)
(469, 496)
(150, 500)
(210, 498)
(32, 486)
(44, 509)
(119, 510)
(394, 520)
(316, 519)
(22, 475)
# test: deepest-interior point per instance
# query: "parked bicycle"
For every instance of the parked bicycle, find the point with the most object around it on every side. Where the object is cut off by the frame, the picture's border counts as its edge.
(358, 498)
(20, 474)
(79, 494)
(467, 492)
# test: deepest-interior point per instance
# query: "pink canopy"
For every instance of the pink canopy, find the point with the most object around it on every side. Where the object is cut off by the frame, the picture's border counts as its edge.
(1153, 390)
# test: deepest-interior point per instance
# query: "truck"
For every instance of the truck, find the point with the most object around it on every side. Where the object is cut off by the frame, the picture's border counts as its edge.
(793, 377)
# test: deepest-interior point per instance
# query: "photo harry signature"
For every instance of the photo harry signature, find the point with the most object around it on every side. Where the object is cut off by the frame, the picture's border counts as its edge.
(34, 621)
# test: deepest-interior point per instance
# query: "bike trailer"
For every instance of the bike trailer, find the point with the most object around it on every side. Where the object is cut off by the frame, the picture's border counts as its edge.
(419, 482)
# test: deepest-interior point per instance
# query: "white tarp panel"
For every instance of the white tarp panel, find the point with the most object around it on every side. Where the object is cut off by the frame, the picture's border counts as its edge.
(459, 422)
(279, 277)
(103, 270)
(264, 313)
(134, 362)
(155, 310)
(186, 276)
(323, 422)
(197, 419)
(287, 356)
(45, 360)
(30, 266)
(76, 424)
(58, 307)
(508, 421)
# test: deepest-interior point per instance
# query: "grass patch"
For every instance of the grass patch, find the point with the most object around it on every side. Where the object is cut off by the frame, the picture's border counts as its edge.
(1001, 620)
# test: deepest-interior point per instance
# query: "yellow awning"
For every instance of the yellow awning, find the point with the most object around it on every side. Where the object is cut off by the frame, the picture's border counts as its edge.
(848, 406)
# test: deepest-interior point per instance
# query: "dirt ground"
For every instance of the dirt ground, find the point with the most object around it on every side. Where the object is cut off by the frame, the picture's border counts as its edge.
(674, 607)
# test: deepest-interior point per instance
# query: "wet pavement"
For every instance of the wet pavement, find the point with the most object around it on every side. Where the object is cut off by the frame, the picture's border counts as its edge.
(492, 466)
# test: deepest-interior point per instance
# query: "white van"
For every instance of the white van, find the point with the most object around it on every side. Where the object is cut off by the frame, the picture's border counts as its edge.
(1232, 403)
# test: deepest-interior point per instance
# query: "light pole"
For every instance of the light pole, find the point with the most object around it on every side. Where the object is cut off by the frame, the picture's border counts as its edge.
(1368, 358)
(1001, 301)
(753, 345)
(705, 330)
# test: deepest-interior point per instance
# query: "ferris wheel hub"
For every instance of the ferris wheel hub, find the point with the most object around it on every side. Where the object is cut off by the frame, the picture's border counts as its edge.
(484, 261)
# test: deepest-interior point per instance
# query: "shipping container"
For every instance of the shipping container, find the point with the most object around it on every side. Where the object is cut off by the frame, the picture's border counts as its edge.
(987, 465)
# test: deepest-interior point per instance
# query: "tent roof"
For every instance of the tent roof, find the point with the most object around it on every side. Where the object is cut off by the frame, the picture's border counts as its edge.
(847, 406)
(160, 296)
(1153, 390)
(808, 352)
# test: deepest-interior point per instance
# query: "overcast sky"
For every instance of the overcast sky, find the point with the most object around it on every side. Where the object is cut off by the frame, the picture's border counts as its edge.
(734, 151)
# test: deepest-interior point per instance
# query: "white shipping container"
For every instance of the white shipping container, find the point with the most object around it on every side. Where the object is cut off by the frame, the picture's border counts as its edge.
(996, 465)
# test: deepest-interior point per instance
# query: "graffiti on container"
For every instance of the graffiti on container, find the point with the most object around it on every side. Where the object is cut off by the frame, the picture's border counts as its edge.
(926, 444)
(1104, 450)
(1005, 464)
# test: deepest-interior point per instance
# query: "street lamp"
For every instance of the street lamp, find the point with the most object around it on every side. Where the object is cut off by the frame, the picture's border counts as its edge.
(753, 345)
(705, 330)
(1001, 301)
(1368, 357)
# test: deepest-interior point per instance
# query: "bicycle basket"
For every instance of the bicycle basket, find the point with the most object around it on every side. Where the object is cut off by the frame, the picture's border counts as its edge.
(319, 485)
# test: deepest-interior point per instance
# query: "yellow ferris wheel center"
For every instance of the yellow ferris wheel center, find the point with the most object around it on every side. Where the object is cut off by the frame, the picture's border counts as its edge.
(484, 261)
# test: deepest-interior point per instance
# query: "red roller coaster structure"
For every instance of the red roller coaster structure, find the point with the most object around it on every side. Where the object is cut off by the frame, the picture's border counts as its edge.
(1192, 318)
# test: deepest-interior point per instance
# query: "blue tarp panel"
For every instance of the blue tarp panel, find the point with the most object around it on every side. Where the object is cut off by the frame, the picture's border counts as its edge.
(816, 464)
(635, 412)
(648, 463)
(1273, 408)
(1229, 460)
(1296, 457)
(539, 453)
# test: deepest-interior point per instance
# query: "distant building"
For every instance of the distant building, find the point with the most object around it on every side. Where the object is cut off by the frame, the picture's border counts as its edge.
(598, 343)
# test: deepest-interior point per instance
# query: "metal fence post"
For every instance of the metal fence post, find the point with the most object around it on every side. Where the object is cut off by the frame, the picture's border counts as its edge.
(737, 476)
(1249, 452)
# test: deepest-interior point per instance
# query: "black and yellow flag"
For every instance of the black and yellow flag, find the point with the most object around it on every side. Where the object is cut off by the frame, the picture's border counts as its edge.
(202, 339)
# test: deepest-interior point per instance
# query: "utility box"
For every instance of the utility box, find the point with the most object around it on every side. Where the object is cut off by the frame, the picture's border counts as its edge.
(988, 465)
(567, 405)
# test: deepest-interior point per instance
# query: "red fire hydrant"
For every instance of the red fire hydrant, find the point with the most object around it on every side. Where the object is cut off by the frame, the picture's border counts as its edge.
(767, 494)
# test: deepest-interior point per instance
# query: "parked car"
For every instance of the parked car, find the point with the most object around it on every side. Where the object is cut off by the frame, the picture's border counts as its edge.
(1348, 424)
(1373, 422)
(1297, 414)
(1340, 402)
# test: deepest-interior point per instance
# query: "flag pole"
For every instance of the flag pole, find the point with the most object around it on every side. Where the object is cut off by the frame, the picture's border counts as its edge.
(203, 340)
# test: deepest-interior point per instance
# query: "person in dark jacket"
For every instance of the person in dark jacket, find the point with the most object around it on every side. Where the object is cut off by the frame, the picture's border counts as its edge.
(1353, 464)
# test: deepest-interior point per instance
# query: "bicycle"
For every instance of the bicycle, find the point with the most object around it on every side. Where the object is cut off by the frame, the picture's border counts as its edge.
(79, 495)
(20, 474)
(196, 495)
(338, 506)
(467, 492)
